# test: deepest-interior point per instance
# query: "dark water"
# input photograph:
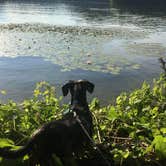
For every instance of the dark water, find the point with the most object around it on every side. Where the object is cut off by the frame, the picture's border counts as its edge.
(113, 45)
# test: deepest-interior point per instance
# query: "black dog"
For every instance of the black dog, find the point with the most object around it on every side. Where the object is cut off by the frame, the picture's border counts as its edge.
(62, 137)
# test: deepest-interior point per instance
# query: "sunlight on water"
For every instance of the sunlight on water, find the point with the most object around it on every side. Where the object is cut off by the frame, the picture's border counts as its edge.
(79, 36)
(37, 14)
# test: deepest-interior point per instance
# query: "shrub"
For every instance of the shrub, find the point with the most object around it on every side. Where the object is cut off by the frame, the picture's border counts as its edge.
(133, 130)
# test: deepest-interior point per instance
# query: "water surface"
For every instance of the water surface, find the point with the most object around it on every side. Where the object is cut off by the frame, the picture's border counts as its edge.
(114, 47)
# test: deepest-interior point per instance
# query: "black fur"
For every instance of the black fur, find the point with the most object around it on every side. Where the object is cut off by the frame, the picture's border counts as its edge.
(61, 137)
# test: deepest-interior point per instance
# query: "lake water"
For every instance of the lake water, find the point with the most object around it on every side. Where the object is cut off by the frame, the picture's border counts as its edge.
(113, 46)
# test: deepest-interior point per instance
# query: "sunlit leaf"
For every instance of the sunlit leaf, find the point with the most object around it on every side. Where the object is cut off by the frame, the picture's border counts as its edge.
(112, 114)
(160, 146)
(6, 143)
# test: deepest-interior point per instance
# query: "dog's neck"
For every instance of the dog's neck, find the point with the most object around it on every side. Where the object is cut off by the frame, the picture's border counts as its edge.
(80, 107)
(79, 104)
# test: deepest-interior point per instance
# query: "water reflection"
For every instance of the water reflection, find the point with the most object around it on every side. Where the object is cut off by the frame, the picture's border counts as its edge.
(79, 12)
(52, 12)
(112, 45)
(38, 13)
(19, 77)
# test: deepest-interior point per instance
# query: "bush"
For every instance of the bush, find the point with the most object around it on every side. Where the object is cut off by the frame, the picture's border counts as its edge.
(133, 131)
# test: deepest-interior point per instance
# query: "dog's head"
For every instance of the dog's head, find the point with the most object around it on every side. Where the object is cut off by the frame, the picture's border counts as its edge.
(78, 90)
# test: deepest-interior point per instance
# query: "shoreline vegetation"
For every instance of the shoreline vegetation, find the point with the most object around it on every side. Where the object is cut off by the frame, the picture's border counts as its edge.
(132, 131)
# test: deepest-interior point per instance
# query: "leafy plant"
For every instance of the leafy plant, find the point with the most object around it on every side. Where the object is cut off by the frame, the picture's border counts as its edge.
(135, 127)
(131, 131)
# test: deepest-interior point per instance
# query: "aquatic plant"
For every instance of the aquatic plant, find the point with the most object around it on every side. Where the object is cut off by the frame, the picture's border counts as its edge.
(72, 48)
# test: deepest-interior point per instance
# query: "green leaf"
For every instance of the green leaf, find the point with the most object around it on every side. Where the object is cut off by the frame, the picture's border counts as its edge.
(6, 143)
(112, 114)
(160, 146)
(163, 130)
(102, 127)
(126, 154)
(3, 92)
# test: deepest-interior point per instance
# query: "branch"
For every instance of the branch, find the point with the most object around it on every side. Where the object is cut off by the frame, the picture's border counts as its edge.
(122, 138)
(98, 132)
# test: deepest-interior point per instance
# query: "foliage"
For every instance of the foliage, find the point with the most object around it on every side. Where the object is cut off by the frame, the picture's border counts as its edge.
(133, 130)
(136, 126)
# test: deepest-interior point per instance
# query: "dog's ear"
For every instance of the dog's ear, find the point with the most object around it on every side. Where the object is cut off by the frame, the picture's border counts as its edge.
(89, 86)
(66, 87)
